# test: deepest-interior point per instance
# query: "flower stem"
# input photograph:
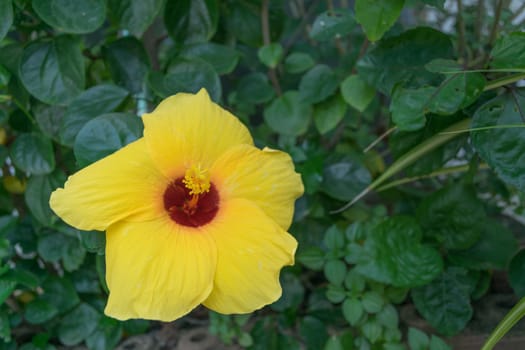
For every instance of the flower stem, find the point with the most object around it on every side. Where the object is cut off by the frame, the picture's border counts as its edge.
(514, 315)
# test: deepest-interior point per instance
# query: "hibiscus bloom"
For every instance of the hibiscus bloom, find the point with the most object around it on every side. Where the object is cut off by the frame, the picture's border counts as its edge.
(194, 214)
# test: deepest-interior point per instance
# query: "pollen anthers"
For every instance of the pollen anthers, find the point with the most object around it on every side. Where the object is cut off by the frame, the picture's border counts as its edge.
(197, 180)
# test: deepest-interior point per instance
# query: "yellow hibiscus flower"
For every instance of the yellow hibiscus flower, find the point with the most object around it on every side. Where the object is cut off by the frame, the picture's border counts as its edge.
(194, 214)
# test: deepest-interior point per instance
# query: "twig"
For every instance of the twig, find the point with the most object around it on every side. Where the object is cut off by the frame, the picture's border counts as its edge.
(338, 44)
(265, 26)
(461, 31)
(495, 25)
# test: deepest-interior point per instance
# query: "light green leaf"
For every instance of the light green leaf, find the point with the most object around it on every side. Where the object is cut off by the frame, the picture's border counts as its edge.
(317, 84)
(357, 93)
(329, 113)
(298, 62)
(377, 16)
(288, 114)
(271, 54)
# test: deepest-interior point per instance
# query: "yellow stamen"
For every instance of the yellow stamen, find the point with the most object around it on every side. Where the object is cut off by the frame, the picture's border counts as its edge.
(197, 180)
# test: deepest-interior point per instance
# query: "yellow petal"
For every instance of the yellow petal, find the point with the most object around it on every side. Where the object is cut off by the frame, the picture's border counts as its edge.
(265, 177)
(188, 129)
(251, 250)
(157, 270)
(123, 185)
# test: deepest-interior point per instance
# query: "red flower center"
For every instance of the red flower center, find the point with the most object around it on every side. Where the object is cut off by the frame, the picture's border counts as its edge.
(187, 209)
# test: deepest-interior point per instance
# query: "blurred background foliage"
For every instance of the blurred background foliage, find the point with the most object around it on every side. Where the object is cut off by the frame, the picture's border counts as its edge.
(374, 100)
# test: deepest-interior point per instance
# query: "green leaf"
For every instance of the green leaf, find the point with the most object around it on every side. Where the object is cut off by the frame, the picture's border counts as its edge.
(128, 63)
(104, 135)
(517, 273)
(93, 241)
(332, 24)
(402, 59)
(357, 93)
(388, 317)
(77, 17)
(394, 254)
(59, 292)
(255, 88)
(437, 343)
(135, 15)
(82, 109)
(334, 239)
(298, 62)
(372, 302)
(49, 119)
(50, 247)
(191, 21)
(6, 288)
(271, 54)
(335, 271)
(33, 154)
(222, 58)
(5, 328)
(344, 177)
(503, 148)
(78, 324)
(106, 336)
(452, 215)
(445, 302)
(73, 254)
(313, 331)
(509, 51)
(329, 113)
(456, 92)
(417, 339)
(354, 281)
(317, 84)
(372, 330)
(343, 341)
(21, 277)
(185, 75)
(39, 311)
(353, 310)
(378, 16)
(53, 71)
(492, 251)
(37, 195)
(312, 258)
(335, 294)
(6, 17)
(288, 114)
(409, 106)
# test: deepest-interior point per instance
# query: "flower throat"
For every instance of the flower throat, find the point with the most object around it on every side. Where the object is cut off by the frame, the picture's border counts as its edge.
(192, 200)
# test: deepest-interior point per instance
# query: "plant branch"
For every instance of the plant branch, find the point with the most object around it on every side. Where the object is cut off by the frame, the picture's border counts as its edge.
(495, 25)
(265, 27)
(461, 31)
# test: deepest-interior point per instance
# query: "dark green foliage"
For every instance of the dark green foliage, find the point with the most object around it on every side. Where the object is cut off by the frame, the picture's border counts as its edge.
(372, 103)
